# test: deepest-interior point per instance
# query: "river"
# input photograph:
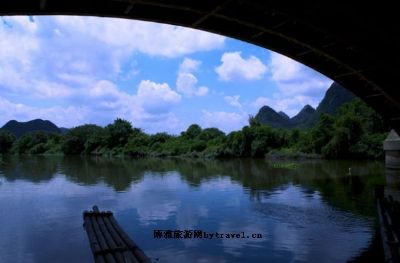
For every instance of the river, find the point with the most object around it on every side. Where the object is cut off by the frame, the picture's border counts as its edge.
(310, 211)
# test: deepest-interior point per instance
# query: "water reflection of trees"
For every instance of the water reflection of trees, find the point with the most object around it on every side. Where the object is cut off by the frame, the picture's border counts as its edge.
(350, 192)
(118, 173)
(259, 177)
(33, 168)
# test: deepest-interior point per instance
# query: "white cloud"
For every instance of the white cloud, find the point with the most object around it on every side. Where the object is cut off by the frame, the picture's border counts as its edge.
(312, 86)
(48, 89)
(150, 208)
(226, 121)
(27, 67)
(233, 101)
(34, 51)
(283, 68)
(104, 89)
(149, 108)
(155, 39)
(294, 78)
(45, 62)
(156, 98)
(298, 85)
(18, 45)
(291, 106)
(165, 122)
(80, 66)
(189, 65)
(260, 101)
(106, 100)
(151, 103)
(202, 91)
(235, 67)
(78, 62)
(80, 79)
(186, 81)
(62, 116)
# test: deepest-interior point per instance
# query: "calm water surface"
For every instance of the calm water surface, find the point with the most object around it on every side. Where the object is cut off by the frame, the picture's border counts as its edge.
(311, 212)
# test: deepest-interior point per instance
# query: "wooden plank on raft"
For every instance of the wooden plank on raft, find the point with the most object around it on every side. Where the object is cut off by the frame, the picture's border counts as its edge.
(108, 242)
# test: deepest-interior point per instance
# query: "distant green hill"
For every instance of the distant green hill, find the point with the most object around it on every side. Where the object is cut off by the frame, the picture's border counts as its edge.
(334, 97)
(303, 117)
(283, 115)
(267, 115)
(21, 128)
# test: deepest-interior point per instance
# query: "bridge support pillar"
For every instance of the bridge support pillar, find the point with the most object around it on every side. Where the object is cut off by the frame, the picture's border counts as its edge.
(391, 146)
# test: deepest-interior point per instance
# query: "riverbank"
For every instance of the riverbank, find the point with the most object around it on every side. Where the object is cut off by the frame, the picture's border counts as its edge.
(275, 155)
(290, 154)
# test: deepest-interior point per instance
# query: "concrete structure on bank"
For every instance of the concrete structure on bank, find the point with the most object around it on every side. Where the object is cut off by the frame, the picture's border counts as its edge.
(392, 150)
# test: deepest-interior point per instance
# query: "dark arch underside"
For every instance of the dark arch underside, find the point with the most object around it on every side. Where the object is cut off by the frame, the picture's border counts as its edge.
(354, 43)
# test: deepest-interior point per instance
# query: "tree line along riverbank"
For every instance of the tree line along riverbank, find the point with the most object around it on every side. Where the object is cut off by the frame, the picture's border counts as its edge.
(355, 132)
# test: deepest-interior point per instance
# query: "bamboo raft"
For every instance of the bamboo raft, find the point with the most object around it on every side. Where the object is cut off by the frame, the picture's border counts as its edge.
(389, 219)
(108, 242)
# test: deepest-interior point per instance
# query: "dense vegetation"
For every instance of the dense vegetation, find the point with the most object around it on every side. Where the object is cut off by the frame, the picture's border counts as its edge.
(356, 132)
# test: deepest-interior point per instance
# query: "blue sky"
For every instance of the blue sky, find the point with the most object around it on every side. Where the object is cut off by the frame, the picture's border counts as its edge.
(77, 70)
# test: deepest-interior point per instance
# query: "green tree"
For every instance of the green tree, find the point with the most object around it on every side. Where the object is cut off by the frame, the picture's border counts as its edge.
(369, 146)
(192, 131)
(266, 138)
(6, 141)
(197, 146)
(138, 143)
(234, 143)
(248, 137)
(305, 144)
(347, 132)
(29, 140)
(160, 137)
(322, 133)
(175, 146)
(253, 121)
(294, 137)
(117, 133)
(211, 134)
(83, 139)
(372, 121)
(72, 145)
